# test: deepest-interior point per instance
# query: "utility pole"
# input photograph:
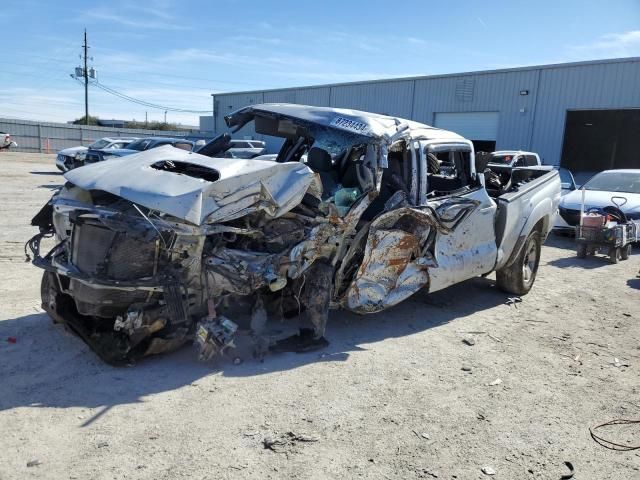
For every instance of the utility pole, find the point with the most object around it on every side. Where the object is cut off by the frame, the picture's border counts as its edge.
(86, 73)
(165, 117)
(213, 113)
(86, 81)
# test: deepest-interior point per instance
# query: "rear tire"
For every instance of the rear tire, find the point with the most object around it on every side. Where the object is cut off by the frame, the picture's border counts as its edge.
(625, 252)
(614, 254)
(581, 250)
(518, 277)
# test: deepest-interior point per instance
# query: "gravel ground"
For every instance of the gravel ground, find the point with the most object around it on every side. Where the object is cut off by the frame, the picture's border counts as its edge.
(396, 395)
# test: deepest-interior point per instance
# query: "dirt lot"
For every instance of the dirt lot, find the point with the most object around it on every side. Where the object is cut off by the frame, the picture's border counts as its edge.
(396, 395)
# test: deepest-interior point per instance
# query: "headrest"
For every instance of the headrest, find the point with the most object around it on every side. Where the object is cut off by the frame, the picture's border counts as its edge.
(319, 160)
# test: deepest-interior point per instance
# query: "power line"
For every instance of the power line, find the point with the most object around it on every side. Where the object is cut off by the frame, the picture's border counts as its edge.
(139, 101)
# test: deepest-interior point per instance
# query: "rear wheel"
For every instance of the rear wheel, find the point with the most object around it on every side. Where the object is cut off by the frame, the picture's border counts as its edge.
(518, 277)
(581, 250)
(615, 254)
(625, 252)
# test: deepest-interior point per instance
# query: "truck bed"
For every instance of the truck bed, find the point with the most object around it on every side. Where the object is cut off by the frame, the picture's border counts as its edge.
(532, 196)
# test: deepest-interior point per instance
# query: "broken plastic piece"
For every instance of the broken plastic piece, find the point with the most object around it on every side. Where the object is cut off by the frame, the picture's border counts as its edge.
(214, 337)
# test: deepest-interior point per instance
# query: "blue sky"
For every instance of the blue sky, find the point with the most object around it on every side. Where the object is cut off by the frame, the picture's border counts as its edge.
(177, 52)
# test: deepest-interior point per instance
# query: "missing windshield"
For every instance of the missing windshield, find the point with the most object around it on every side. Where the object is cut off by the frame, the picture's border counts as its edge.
(197, 171)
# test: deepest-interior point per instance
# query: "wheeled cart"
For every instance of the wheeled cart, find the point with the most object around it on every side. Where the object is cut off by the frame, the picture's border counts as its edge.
(612, 240)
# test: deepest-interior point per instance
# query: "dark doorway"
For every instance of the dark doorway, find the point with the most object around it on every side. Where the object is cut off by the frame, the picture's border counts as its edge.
(484, 145)
(596, 140)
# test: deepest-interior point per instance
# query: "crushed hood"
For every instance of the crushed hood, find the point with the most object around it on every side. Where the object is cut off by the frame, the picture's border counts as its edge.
(214, 190)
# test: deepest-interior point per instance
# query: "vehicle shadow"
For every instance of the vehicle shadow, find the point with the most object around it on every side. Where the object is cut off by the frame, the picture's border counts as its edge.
(564, 242)
(572, 261)
(634, 283)
(50, 367)
(590, 262)
(56, 172)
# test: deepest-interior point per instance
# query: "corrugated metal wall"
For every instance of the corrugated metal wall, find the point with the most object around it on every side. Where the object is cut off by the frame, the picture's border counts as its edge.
(51, 137)
(611, 86)
(530, 122)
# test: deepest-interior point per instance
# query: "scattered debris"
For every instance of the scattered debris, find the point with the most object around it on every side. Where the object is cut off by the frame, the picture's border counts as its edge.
(497, 381)
(610, 444)
(469, 341)
(466, 368)
(286, 441)
(102, 444)
(536, 321)
(421, 435)
(33, 463)
(237, 361)
(569, 475)
(513, 301)
(497, 339)
(12, 340)
(488, 470)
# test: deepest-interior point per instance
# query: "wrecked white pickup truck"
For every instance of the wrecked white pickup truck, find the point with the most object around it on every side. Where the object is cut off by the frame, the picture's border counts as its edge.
(359, 211)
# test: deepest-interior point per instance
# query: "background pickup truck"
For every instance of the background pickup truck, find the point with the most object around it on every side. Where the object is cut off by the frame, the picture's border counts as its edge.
(358, 211)
(514, 158)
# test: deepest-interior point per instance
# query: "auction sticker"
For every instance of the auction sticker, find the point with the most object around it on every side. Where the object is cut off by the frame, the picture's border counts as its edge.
(351, 125)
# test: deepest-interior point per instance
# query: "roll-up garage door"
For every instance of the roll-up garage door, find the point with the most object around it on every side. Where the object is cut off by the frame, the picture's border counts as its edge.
(481, 126)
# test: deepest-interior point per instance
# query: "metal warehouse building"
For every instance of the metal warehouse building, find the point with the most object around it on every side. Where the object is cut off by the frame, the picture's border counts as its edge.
(584, 116)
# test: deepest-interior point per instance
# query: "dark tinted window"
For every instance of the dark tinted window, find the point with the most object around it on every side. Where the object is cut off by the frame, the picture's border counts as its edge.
(521, 161)
(139, 145)
(565, 175)
(183, 146)
(531, 160)
(501, 159)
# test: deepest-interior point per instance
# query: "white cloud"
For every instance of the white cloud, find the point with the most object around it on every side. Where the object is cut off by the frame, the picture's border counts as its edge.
(624, 44)
(142, 18)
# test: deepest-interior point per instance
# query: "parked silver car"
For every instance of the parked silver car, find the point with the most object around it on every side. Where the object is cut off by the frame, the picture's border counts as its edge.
(608, 188)
(73, 157)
